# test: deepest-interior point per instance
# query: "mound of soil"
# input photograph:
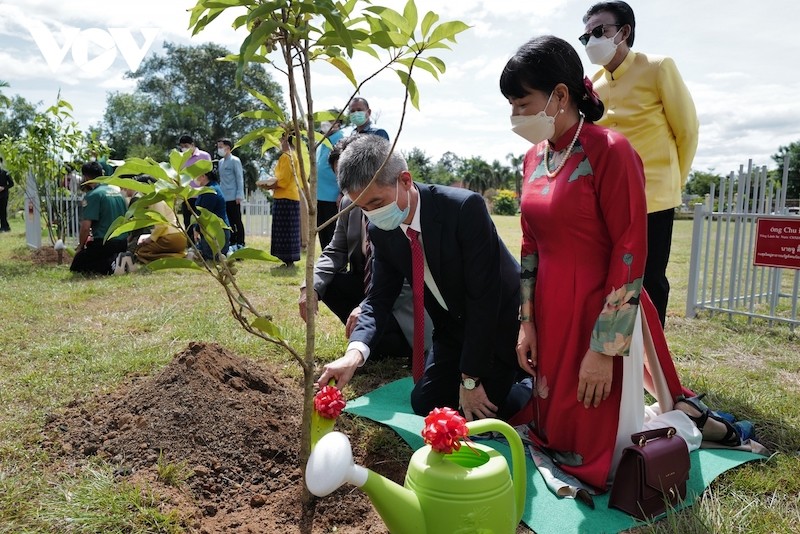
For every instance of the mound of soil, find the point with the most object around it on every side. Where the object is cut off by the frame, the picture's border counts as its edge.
(235, 424)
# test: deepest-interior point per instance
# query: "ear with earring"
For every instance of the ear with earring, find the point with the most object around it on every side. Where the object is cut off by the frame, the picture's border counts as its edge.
(562, 110)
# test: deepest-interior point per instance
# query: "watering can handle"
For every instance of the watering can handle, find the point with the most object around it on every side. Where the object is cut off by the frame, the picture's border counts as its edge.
(518, 467)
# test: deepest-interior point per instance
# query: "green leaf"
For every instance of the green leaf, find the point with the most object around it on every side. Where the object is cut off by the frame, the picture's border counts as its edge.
(212, 228)
(420, 63)
(393, 19)
(178, 159)
(120, 226)
(173, 263)
(262, 114)
(198, 168)
(410, 14)
(447, 31)
(428, 21)
(126, 183)
(387, 40)
(253, 254)
(267, 326)
(334, 19)
(438, 63)
(344, 68)
(142, 166)
(413, 93)
(271, 104)
(367, 49)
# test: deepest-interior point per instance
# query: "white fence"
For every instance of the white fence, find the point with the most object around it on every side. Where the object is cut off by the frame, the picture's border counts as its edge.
(256, 213)
(722, 275)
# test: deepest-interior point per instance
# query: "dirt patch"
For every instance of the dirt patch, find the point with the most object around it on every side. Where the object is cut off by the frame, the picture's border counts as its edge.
(46, 255)
(235, 424)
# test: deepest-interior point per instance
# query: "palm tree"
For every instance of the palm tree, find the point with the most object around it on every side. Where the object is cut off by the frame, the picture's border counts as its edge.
(516, 165)
(4, 100)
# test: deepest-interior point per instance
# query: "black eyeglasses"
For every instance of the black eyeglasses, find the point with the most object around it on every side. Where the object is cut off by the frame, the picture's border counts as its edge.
(597, 31)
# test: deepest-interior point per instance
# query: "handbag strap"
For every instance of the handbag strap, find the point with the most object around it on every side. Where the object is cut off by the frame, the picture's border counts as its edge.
(641, 438)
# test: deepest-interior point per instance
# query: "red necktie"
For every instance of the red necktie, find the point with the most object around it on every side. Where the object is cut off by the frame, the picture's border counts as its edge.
(418, 289)
(367, 258)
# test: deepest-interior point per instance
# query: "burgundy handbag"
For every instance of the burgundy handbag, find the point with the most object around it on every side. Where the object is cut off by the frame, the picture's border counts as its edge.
(652, 474)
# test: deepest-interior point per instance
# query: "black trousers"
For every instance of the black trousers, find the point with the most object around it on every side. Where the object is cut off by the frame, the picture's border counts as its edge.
(659, 244)
(326, 210)
(234, 212)
(345, 292)
(4, 211)
(96, 258)
(440, 383)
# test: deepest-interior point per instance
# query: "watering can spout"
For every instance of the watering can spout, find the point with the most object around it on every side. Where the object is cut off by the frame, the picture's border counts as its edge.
(331, 465)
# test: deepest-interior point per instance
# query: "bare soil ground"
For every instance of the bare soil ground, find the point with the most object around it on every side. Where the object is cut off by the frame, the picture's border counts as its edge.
(235, 424)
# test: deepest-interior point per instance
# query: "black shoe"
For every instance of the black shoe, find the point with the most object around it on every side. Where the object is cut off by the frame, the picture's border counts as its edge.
(5, 229)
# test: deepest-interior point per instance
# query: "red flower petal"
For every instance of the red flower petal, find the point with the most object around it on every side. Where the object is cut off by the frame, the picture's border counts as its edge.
(329, 402)
(443, 430)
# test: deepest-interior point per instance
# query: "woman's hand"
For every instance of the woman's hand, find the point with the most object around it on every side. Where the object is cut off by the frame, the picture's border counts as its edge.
(594, 378)
(526, 347)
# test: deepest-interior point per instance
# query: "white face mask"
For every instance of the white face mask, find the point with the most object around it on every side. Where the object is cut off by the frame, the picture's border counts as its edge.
(222, 152)
(601, 50)
(535, 128)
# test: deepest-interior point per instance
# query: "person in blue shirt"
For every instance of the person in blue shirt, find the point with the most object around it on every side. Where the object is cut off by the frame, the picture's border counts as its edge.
(328, 194)
(231, 182)
(215, 203)
(361, 117)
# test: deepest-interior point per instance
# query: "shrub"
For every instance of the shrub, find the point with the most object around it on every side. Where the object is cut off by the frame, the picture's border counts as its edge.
(505, 202)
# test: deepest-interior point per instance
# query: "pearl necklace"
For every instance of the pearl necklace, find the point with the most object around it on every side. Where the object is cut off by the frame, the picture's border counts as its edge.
(566, 156)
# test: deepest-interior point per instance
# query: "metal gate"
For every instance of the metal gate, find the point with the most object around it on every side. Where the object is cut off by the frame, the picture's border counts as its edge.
(722, 276)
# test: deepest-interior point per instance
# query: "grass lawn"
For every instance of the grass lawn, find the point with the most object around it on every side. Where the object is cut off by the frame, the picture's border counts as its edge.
(67, 337)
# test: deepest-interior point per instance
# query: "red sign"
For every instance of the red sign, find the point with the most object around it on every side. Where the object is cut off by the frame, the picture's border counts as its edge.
(778, 242)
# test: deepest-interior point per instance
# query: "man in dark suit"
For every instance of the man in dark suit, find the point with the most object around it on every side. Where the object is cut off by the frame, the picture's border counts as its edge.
(471, 286)
(339, 283)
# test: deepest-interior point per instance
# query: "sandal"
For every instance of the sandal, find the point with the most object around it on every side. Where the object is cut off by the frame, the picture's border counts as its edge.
(732, 436)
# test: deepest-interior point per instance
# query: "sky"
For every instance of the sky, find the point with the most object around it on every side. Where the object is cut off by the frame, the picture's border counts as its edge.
(738, 58)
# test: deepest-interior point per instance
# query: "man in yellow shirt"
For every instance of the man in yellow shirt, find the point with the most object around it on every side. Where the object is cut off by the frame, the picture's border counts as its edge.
(647, 101)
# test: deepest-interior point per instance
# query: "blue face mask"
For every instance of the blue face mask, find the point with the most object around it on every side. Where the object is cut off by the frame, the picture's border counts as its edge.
(359, 118)
(390, 216)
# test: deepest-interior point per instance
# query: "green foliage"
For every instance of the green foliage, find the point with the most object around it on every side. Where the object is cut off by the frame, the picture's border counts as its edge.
(700, 183)
(793, 184)
(15, 116)
(94, 502)
(50, 143)
(419, 165)
(173, 474)
(505, 203)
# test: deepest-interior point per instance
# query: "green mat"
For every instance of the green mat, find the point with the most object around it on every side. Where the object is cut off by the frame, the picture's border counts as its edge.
(544, 512)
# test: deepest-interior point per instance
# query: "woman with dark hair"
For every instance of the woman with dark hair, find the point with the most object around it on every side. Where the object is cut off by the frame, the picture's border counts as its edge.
(586, 325)
(215, 203)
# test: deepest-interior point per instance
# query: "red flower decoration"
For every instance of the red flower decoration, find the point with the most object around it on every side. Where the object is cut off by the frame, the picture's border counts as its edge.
(591, 94)
(329, 402)
(444, 428)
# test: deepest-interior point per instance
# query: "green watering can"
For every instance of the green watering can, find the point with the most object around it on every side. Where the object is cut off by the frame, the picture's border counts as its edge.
(466, 491)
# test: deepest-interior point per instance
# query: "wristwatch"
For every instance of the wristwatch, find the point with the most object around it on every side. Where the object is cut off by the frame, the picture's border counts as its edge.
(470, 383)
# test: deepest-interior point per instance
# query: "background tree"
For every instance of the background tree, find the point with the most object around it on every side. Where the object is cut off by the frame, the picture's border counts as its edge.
(502, 177)
(516, 161)
(15, 116)
(700, 182)
(446, 170)
(4, 100)
(419, 164)
(188, 90)
(793, 186)
(476, 174)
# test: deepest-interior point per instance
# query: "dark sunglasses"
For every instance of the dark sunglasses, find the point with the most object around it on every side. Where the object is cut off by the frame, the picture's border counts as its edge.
(597, 31)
